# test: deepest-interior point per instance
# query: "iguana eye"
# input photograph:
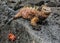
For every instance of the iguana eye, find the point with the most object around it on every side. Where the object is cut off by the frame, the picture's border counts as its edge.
(44, 9)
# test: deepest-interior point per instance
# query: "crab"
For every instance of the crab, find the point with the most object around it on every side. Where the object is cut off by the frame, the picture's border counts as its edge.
(11, 37)
(34, 14)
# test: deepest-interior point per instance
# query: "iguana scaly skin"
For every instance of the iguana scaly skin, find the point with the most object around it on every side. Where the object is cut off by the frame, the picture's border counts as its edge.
(33, 14)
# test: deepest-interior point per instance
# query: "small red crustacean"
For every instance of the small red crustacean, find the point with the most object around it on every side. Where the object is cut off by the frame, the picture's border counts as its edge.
(11, 36)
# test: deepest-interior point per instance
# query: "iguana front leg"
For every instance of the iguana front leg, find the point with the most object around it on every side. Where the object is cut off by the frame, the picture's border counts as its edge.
(34, 21)
(17, 15)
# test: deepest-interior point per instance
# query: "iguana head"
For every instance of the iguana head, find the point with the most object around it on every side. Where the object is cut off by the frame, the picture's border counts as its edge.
(46, 9)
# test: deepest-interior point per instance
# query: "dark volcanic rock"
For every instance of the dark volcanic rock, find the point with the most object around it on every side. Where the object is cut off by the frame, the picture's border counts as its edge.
(17, 29)
(52, 4)
(49, 33)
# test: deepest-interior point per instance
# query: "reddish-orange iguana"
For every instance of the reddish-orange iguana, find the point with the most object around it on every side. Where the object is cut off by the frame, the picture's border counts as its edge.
(33, 14)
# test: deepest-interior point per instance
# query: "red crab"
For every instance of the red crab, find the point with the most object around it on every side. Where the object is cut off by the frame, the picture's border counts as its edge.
(11, 37)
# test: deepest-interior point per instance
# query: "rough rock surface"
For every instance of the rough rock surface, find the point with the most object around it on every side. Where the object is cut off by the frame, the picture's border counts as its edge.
(49, 33)
(17, 29)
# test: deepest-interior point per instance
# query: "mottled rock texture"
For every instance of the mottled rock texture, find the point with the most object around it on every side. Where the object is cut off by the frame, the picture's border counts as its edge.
(50, 30)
